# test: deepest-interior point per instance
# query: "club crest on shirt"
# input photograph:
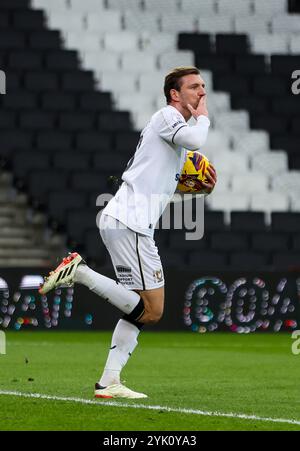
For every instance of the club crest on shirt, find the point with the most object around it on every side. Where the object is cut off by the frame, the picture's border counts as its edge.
(158, 276)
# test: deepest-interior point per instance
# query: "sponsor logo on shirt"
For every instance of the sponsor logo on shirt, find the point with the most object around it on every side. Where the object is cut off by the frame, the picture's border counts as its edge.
(158, 276)
(177, 123)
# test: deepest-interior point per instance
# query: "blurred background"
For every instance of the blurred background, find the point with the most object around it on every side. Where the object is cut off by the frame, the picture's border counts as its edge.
(79, 81)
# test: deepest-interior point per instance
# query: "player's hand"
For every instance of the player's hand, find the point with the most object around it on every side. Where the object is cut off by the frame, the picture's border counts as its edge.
(211, 177)
(201, 109)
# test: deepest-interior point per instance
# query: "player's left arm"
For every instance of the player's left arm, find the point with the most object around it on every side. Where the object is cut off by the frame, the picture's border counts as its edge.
(211, 176)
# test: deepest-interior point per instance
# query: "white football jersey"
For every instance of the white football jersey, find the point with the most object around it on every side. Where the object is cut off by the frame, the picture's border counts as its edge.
(151, 176)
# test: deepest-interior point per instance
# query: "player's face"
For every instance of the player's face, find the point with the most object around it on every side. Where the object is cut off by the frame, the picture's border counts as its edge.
(191, 90)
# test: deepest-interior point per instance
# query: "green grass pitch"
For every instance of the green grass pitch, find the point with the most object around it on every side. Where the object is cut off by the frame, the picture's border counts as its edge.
(254, 374)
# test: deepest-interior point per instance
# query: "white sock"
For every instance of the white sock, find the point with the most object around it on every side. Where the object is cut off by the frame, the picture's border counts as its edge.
(123, 343)
(113, 292)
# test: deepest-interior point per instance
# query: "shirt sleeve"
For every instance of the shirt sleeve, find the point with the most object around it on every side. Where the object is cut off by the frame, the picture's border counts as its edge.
(193, 137)
(168, 123)
(172, 127)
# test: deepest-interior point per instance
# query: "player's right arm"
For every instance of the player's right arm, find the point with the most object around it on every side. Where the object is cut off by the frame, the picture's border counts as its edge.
(172, 127)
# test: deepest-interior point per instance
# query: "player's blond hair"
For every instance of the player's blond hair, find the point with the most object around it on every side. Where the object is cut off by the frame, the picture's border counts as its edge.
(173, 79)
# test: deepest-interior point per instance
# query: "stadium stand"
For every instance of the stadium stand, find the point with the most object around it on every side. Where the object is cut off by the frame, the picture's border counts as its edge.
(68, 120)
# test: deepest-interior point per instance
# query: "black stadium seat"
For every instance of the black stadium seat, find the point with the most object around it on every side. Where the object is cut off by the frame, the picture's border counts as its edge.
(78, 221)
(94, 247)
(273, 124)
(226, 241)
(245, 261)
(62, 60)
(285, 222)
(214, 221)
(54, 140)
(59, 202)
(58, 101)
(95, 101)
(41, 81)
(28, 20)
(45, 39)
(10, 40)
(89, 181)
(37, 120)
(198, 42)
(94, 141)
(71, 161)
(127, 141)
(77, 121)
(247, 221)
(28, 60)
(19, 100)
(231, 44)
(7, 120)
(249, 103)
(25, 161)
(286, 261)
(208, 260)
(250, 64)
(77, 81)
(115, 121)
(177, 241)
(41, 182)
(267, 241)
(233, 83)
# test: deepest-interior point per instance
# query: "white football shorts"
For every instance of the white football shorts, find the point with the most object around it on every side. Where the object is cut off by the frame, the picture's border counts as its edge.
(134, 256)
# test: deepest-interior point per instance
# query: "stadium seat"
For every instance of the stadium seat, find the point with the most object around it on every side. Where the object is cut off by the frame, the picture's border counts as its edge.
(251, 25)
(177, 241)
(94, 247)
(77, 81)
(229, 201)
(46, 39)
(214, 221)
(208, 260)
(269, 8)
(133, 5)
(126, 142)
(89, 181)
(23, 162)
(68, 20)
(234, 121)
(62, 60)
(286, 24)
(247, 221)
(239, 7)
(269, 44)
(245, 261)
(15, 139)
(285, 222)
(252, 182)
(41, 81)
(138, 62)
(42, 181)
(267, 242)
(206, 7)
(139, 21)
(286, 261)
(114, 121)
(12, 40)
(122, 41)
(198, 42)
(250, 103)
(168, 60)
(71, 161)
(250, 64)
(102, 21)
(78, 221)
(60, 5)
(251, 142)
(53, 140)
(36, 120)
(59, 202)
(7, 120)
(166, 42)
(57, 101)
(112, 81)
(94, 141)
(172, 259)
(85, 42)
(215, 24)
(95, 101)
(295, 44)
(229, 242)
(270, 162)
(86, 6)
(76, 121)
(25, 60)
(112, 162)
(229, 44)
(177, 22)
(97, 59)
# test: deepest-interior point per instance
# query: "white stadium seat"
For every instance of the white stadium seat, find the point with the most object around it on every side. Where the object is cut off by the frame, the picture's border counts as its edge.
(122, 41)
(274, 162)
(289, 23)
(152, 82)
(132, 5)
(117, 81)
(251, 182)
(254, 24)
(295, 44)
(138, 62)
(230, 162)
(289, 182)
(164, 6)
(270, 7)
(235, 7)
(215, 24)
(140, 21)
(218, 102)
(178, 22)
(223, 184)
(167, 42)
(228, 201)
(232, 120)
(137, 102)
(216, 141)
(205, 7)
(87, 5)
(269, 201)
(295, 203)
(251, 142)
(100, 59)
(103, 21)
(167, 61)
(270, 43)
(83, 41)
(142, 118)
(53, 5)
(66, 20)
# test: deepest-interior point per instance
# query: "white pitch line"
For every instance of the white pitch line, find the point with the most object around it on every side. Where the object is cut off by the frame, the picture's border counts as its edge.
(149, 407)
